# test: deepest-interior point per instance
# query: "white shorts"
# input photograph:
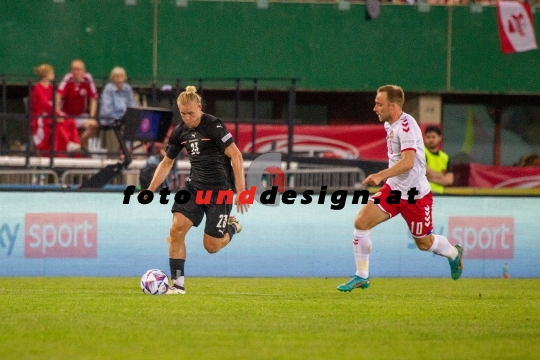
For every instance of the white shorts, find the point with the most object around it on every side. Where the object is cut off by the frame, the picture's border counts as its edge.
(80, 121)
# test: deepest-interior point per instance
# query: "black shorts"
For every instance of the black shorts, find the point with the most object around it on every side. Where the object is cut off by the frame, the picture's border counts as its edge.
(216, 214)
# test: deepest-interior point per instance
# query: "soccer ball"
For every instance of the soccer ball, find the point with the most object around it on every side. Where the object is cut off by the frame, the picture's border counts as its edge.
(154, 282)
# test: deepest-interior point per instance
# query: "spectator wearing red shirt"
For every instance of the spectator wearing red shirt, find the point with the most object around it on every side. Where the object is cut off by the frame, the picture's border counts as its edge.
(66, 137)
(77, 97)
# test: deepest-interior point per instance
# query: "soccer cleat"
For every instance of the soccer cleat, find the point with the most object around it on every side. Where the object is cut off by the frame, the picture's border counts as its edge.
(232, 221)
(355, 282)
(456, 265)
(175, 290)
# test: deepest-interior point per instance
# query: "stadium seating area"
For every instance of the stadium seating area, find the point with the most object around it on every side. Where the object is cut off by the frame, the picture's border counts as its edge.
(321, 95)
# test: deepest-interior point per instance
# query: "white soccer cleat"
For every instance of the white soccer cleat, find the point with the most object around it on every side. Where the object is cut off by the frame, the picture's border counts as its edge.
(233, 221)
(176, 290)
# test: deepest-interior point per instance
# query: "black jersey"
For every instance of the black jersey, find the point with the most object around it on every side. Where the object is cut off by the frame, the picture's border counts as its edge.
(210, 168)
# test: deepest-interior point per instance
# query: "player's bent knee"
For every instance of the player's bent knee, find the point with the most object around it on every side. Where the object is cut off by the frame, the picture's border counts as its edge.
(424, 243)
(363, 223)
(369, 217)
(359, 224)
(211, 248)
(212, 244)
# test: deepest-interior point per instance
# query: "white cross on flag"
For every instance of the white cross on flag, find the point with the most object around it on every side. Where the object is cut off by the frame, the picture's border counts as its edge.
(516, 27)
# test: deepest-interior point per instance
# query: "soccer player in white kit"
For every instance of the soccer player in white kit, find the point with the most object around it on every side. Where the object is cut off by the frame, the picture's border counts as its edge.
(406, 173)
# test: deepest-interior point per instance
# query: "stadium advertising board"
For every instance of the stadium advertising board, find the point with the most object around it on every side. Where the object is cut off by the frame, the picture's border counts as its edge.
(483, 237)
(95, 234)
(60, 235)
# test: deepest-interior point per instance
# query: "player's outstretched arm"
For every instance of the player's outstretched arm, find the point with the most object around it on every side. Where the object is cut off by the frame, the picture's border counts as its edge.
(237, 162)
(405, 164)
(161, 173)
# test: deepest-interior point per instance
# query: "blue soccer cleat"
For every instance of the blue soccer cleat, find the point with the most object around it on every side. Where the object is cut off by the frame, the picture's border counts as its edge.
(456, 265)
(354, 283)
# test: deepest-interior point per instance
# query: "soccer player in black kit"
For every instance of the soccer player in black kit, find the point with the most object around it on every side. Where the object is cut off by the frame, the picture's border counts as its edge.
(216, 164)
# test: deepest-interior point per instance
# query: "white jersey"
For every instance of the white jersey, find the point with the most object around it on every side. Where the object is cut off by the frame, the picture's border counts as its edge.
(406, 135)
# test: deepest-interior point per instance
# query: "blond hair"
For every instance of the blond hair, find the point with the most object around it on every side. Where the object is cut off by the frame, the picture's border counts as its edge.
(394, 94)
(117, 70)
(189, 96)
(43, 70)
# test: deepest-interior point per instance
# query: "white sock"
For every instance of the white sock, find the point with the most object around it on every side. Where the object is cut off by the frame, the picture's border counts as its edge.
(362, 249)
(73, 146)
(441, 246)
(179, 281)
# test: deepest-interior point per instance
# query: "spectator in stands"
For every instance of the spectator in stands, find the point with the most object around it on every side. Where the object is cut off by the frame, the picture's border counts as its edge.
(529, 160)
(66, 136)
(77, 97)
(116, 97)
(438, 170)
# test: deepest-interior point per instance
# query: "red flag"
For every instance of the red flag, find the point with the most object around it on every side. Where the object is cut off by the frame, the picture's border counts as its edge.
(516, 27)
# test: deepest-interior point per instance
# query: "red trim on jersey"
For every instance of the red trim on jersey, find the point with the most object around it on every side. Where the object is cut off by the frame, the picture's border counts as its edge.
(407, 149)
(405, 125)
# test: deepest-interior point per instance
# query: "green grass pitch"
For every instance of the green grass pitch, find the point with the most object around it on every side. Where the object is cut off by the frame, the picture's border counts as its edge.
(270, 318)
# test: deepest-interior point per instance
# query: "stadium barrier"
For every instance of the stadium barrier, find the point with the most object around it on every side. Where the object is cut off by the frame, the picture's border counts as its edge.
(333, 178)
(78, 177)
(73, 172)
(29, 176)
(65, 163)
(95, 234)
